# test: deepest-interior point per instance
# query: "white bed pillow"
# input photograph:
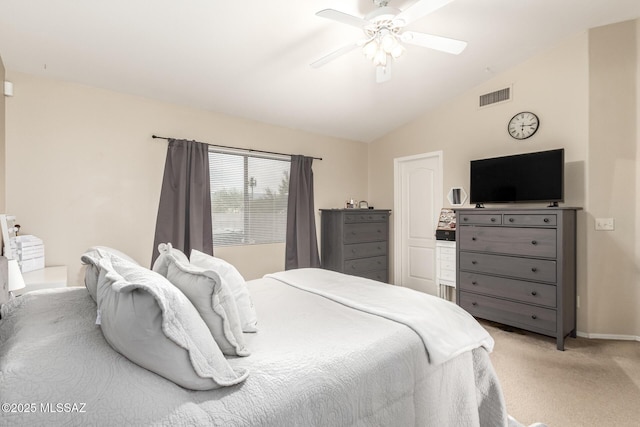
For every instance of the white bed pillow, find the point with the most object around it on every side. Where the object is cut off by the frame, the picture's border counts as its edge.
(160, 265)
(234, 280)
(152, 323)
(91, 259)
(213, 300)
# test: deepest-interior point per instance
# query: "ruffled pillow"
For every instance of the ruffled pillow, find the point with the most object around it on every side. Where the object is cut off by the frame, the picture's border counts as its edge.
(153, 324)
(91, 258)
(161, 264)
(213, 300)
(234, 280)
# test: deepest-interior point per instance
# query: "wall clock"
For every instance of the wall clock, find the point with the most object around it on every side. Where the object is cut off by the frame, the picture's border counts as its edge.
(523, 125)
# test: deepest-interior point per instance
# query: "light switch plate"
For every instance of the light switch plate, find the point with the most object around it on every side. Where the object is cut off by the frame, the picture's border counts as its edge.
(604, 224)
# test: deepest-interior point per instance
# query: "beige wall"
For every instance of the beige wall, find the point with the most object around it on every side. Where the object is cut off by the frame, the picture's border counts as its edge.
(613, 276)
(2, 141)
(3, 285)
(83, 169)
(560, 87)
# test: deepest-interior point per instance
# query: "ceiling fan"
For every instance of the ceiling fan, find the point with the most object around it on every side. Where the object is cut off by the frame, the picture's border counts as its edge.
(385, 34)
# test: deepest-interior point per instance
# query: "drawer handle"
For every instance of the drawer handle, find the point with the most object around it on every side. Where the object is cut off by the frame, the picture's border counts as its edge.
(474, 303)
(474, 262)
(370, 217)
(353, 250)
(474, 283)
(511, 219)
(546, 220)
(465, 219)
(534, 269)
(379, 262)
(474, 239)
(493, 220)
(534, 293)
(534, 242)
(353, 267)
(534, 317)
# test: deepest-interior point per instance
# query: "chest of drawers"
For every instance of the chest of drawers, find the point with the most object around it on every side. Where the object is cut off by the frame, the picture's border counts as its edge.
(518, 267)
(356, 241)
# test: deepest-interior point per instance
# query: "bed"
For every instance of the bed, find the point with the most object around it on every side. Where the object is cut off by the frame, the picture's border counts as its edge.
(329, 352)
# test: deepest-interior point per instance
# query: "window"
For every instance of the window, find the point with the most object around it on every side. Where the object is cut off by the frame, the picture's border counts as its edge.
(248, 197)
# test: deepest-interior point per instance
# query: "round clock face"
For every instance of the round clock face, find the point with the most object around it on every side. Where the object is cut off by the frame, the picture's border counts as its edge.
(523, 125)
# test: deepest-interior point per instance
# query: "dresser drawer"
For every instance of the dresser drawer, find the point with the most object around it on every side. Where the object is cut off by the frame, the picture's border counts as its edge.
(366, 264)
(447, 254)
(539, 242)
(365, 232)
(519, 290)
(365, 217)
(482, 219)
(521, 268)
(379, 275)
(533, 219)
(525, 316)
(448, 275)
(365, 250)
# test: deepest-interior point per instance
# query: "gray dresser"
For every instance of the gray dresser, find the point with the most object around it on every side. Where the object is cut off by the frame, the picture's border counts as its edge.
(518, 267)
(356, 241)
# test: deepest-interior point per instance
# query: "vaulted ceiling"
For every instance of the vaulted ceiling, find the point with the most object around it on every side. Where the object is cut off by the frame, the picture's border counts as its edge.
(250, 58)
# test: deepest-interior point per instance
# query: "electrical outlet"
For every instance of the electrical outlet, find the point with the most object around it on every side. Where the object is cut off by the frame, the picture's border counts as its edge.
(604, 224)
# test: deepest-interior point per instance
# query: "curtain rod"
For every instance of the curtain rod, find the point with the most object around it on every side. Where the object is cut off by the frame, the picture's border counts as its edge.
(234, 148)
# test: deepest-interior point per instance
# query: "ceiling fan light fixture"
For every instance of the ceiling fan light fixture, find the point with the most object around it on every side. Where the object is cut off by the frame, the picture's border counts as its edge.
(380, 58)
(370, 49)
(397, 51)
(387, 41)
(385, 34)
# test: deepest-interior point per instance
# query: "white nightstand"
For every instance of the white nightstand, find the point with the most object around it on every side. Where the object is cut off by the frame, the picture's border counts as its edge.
(446, 268)
(44, 278)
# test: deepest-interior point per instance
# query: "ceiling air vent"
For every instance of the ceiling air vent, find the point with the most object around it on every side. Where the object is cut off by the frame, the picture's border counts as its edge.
(495, 97)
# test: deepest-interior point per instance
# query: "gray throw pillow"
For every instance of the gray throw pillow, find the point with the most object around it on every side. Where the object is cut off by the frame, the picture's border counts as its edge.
(91, 258)
(234, 280)
(152, 323)
(160, 265)
(213, 300)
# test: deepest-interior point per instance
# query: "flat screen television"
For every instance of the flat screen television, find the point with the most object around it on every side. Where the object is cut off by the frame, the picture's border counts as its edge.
(529, 177)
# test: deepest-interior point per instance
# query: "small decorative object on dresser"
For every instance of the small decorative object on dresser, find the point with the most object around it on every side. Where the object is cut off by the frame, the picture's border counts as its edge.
(518, 267)
(356, 242)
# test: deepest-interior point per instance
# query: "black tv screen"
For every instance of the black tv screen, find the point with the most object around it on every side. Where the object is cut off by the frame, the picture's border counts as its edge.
(530, 177)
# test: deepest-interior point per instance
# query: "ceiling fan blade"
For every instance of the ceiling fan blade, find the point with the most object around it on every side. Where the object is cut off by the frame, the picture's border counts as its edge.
(430, 41)
(418, 10)
(383, 73)
(342, 17)
(333, 55)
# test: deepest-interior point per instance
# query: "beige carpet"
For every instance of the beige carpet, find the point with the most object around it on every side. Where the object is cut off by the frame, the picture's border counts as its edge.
(591, 383)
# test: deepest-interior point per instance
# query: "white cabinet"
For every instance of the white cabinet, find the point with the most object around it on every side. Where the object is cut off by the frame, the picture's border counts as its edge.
(44, 278)
(446, 268)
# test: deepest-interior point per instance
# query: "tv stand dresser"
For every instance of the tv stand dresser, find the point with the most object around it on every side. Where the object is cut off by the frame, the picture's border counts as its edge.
(518, 267)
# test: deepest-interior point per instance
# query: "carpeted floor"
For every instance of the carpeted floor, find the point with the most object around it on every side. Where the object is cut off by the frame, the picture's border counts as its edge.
(591, 383)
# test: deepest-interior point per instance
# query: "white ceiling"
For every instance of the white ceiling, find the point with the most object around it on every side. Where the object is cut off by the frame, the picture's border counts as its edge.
(250, 58)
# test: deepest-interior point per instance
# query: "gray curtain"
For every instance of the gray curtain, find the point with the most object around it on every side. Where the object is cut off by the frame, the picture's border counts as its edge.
(184, 213)
(302, 243)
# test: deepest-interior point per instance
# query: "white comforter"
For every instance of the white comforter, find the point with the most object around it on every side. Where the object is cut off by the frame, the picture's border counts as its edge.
(314, 362)
(446, 329)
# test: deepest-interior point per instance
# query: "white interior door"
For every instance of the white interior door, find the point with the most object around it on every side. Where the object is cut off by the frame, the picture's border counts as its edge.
(418, 200)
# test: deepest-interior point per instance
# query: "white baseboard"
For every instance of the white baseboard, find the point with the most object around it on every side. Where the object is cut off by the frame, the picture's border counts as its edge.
(608, 336)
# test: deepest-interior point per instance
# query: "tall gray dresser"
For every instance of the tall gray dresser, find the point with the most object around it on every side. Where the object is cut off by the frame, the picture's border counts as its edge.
(356, 241)
(518, 267)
